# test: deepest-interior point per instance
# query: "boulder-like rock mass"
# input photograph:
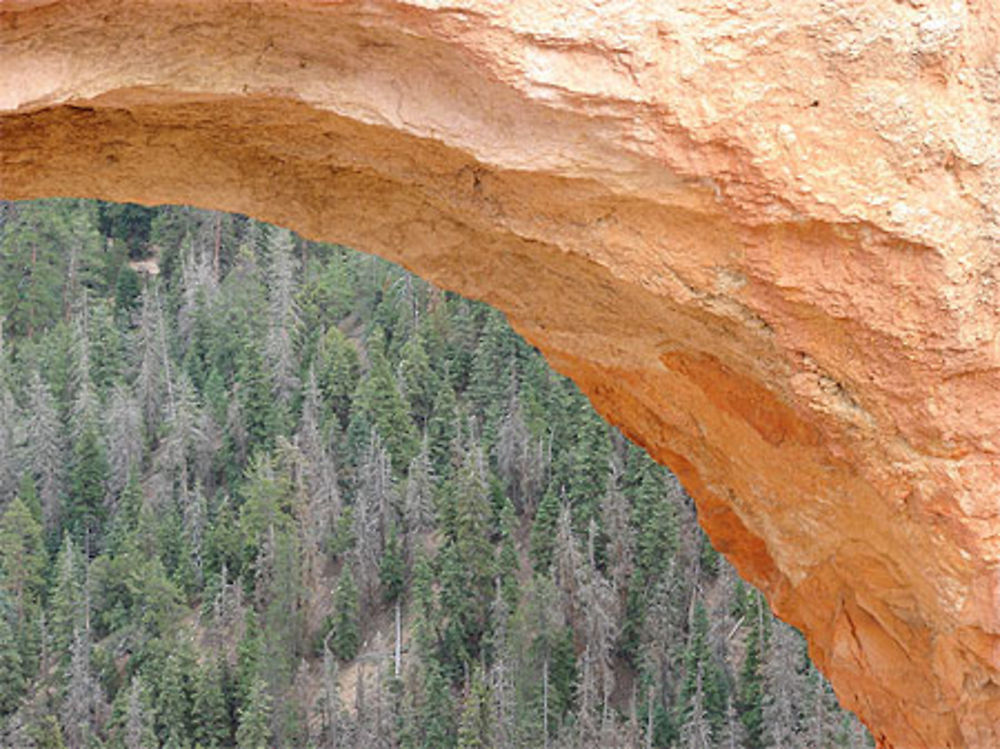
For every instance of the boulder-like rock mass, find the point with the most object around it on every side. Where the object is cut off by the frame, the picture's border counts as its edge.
(761, 236)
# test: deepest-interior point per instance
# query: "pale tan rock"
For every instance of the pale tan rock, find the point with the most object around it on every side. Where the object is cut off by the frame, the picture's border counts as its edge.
(762, 236)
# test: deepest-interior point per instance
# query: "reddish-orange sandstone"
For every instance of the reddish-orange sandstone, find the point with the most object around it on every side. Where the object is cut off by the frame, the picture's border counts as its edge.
(762, 236)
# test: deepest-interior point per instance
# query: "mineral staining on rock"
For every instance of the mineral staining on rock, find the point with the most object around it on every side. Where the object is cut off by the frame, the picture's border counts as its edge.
(762, 238)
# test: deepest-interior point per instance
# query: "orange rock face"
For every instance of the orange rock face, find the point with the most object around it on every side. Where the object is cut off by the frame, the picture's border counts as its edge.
(762, 236)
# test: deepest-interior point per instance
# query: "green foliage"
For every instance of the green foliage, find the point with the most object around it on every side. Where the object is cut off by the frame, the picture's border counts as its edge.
(66, 597)
(344, 637)
(174, 698)
(128, 223)
(254, 730)
(442, 429)
(209, 713)
(392, 569)
(378, 404)
(86, 510)
(475, 723)
(22, 559)
(751, 679)
(338, 370)
(543, 532)
(39, 242)
(703, 675)
(11, 675)
(197, 525)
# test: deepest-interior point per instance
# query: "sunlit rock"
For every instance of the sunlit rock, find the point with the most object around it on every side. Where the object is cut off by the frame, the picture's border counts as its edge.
(761, 236)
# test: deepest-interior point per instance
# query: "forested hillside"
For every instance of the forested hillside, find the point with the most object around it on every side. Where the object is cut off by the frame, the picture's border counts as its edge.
(262, 492)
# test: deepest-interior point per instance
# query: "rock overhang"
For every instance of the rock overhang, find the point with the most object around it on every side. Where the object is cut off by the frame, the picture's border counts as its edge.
(761, 238)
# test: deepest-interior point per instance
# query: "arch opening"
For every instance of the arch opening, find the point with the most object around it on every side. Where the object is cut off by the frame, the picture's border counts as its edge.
(224, 388)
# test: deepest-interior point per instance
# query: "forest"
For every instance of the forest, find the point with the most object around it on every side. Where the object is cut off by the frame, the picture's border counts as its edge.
(257, 491)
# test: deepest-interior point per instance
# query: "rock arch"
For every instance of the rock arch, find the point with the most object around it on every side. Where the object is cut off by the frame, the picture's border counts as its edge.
(761, 238)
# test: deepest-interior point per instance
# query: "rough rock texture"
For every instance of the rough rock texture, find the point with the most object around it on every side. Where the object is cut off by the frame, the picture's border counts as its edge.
(762, 236)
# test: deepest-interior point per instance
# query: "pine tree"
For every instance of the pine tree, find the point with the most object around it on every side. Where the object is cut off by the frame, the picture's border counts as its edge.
(751, 683)
(86, 509)
(173, 699)
(392, 569)
(182, 441)
(508, 562)
(491, 364)
(598, 606)
(590, 453)
(543, 532)
(138, 728)
(9, 463)
(323, 501)
(621, 537)
(337, 372)
(254, 729)
(783, 688)
(282, 615)
(332, 728)
(66, 600)
(344, 635)
(696, 732)
(149, 384)
(80, 705)
(12, 681)
(521, 459)
(475, 723)
(283, 317)
(467, 583)
(85, 404)
(209, 713)
(194, 521)
(417, 379)
(441, 430)
(259, 415)
(123, 428)
(702, 676)
(435, 716)
(22, 560)
(378, 405)
(567, 563)
(45, 449)
(376, 508)
(418, 501)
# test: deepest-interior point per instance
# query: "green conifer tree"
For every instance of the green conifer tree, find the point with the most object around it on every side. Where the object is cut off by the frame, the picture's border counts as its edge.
(344, 635)
(11, 668)
(209, 714)
(378, 404)
(475, 723)
(702, 676)
(86, 508)
(66, 598)
(751, 688)
(254, 729)
(22, 559)
(173, 699)
(392, 568)
(441, 430)
(543, 532)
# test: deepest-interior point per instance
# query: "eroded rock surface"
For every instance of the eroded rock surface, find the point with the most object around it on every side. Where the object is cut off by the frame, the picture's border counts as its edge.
(762, 236)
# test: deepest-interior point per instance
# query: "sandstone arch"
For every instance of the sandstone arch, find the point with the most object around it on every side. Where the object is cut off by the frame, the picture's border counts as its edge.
(761, 238)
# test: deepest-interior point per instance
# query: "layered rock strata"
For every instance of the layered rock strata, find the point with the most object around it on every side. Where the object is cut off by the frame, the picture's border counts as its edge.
(761, 236)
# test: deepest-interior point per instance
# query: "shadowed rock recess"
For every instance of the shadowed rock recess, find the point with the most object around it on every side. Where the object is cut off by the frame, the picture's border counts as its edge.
(761, 236)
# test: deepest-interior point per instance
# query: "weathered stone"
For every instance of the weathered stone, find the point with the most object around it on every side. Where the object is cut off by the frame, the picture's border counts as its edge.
(761, 236)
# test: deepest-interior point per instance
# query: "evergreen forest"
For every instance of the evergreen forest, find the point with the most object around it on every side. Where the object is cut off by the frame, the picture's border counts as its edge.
(257, 491)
